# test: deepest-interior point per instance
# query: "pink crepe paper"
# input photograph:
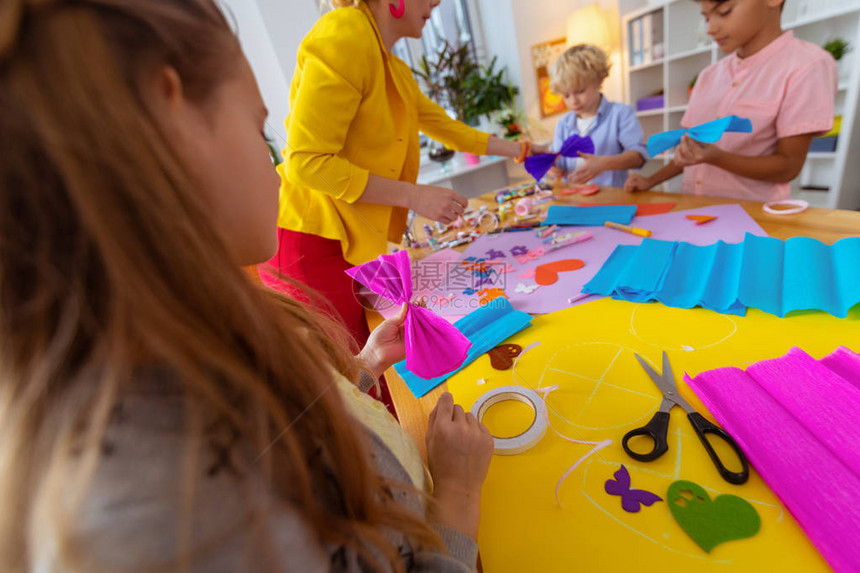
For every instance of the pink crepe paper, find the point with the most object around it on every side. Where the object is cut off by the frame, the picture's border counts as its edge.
(433, 345)
(795, 418)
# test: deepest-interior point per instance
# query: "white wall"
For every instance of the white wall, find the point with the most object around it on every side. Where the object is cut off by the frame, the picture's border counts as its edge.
(511, 27)
(258, 48)
(287, 21)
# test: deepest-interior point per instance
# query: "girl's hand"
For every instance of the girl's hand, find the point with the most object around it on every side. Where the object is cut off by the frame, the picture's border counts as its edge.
(592, 166)
(437, 203)
(636, 182)
(692, 152)
(459, 449)
(385, 345)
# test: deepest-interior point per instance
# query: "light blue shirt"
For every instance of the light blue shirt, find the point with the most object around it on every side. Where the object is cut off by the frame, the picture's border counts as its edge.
(615, 131)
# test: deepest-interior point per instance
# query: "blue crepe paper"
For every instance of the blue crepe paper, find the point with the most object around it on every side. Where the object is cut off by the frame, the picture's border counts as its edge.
(486, 328)
(775, 276)
(709, 132)
(589, 216)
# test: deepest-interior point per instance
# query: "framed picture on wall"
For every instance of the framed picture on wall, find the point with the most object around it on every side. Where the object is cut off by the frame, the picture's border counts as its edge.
(543, 55)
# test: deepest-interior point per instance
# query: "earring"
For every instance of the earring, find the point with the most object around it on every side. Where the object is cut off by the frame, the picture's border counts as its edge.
(398, 11)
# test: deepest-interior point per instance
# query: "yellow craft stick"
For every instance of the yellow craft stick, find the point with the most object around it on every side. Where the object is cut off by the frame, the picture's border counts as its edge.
(629, 229)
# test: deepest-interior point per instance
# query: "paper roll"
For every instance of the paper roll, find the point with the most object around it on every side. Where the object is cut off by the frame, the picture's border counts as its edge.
(526, 440)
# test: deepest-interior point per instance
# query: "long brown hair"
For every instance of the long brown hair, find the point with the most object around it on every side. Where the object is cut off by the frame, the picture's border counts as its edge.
(108, 262)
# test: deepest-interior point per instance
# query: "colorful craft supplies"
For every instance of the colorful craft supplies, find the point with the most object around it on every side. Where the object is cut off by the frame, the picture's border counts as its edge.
(589, 216)
(433, 346)
(523, 190)
(485, 328)
(796, 419)
(709, 132)
(761, 272)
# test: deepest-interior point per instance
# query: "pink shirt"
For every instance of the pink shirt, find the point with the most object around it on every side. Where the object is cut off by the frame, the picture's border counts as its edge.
(787, 88)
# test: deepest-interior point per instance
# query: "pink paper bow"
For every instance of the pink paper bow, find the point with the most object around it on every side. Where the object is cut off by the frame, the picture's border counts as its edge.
(433, 345)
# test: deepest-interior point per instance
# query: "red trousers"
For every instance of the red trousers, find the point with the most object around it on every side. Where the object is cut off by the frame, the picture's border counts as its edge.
(318, 263)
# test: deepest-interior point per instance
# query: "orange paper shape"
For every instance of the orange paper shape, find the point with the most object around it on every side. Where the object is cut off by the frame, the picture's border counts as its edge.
(489, 294)
(548, 274)
(700, 219)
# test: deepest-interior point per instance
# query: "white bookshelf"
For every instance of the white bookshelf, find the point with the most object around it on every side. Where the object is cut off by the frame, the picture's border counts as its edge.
(687, 50)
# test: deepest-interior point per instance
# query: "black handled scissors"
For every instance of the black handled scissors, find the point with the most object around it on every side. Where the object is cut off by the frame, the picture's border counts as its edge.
(658, 428)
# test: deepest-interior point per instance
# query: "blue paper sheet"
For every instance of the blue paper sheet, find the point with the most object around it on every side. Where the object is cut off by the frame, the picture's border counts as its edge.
(775, 276)
(709, 132)
(486, 328)
(589, 216)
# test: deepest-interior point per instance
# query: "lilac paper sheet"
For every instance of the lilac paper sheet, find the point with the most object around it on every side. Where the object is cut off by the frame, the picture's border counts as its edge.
(731, 224)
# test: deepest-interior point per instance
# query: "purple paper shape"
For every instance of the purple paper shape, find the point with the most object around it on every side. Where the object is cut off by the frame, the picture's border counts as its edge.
(631, 499)
(519, 250)
(795, 420)
(537, 165)
(433, 345)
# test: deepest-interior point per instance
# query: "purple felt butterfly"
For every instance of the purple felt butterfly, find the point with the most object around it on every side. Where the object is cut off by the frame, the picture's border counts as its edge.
(538, 165)
(630, 498)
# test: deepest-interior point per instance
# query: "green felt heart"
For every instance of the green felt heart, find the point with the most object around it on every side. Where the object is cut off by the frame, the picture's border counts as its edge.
(708, 522)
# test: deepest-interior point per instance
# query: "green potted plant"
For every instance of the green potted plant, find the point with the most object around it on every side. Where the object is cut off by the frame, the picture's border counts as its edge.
(838, 47)
(454, 80)
(512, 120)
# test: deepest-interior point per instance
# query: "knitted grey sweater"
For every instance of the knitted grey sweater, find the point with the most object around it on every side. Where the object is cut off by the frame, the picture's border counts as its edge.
(130, 519)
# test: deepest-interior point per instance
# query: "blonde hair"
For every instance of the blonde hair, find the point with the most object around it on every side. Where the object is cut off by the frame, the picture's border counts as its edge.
(109, 262)
(344, 3)
(578, 66)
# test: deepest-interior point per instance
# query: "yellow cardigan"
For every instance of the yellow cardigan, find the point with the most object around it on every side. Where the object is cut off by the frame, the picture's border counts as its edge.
(355, 109)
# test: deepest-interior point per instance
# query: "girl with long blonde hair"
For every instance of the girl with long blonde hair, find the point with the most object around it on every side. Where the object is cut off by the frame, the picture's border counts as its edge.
(158, 411)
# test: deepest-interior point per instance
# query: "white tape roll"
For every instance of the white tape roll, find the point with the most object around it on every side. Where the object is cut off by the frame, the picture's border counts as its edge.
(786, 207)
(534, 433)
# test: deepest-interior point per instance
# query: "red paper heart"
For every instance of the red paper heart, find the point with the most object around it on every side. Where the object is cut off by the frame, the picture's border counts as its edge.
(548, 274)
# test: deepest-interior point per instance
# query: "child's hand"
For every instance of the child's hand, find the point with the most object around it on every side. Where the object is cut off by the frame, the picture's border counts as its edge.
(692, 152)
(538, 148)
(556, 172)
(636, 182)
(437, 203)
(591, 167)
(385, 346)
(459, 449)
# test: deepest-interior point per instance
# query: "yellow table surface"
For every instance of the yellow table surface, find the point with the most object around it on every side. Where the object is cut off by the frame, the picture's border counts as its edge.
(603, 393)
(588, 351)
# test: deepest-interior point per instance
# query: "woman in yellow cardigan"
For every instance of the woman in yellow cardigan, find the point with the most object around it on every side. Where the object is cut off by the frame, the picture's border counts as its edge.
(352, 151)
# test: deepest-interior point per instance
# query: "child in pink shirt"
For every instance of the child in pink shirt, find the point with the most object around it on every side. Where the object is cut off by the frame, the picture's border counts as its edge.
(784, 85)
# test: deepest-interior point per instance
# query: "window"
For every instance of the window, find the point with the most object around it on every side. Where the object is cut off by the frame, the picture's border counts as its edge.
(456, 22)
